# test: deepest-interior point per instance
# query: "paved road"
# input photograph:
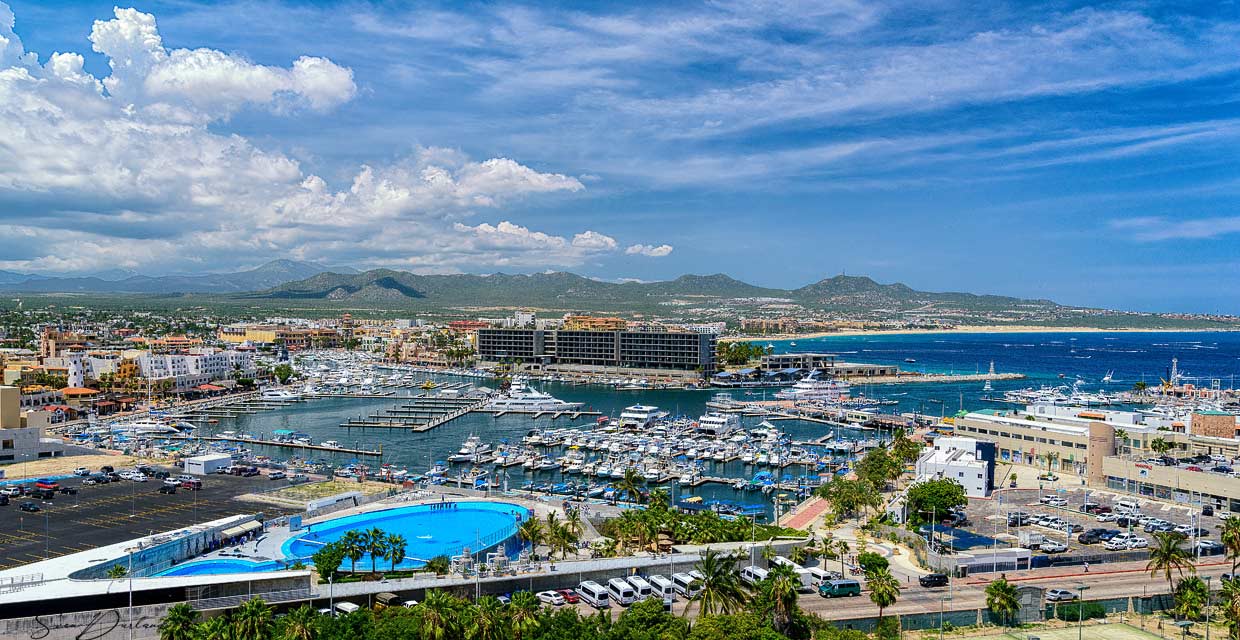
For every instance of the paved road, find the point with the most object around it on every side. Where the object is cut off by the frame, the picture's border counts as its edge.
(118, 511)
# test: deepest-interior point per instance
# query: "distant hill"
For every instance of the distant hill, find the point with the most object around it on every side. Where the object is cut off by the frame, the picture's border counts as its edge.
(568, 290)
(269, 275)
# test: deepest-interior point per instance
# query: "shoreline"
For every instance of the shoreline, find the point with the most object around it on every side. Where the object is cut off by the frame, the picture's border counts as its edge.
(997, 330)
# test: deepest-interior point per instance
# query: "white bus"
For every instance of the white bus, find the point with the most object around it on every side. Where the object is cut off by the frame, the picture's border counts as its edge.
(782, 561)
(752, 575)
(594, 594)
(686, 585)
(663, 587)
(644, 590)
(621, 591)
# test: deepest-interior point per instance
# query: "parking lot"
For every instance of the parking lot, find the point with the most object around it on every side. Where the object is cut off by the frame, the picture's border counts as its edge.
(991, 517)
(114, 512)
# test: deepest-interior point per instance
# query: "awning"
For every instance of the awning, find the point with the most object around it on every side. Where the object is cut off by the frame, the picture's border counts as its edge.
(241, 529)
(209, 387)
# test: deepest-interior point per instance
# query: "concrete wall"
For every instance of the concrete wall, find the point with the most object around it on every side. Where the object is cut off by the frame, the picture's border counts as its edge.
(156, 558)
(104, 624)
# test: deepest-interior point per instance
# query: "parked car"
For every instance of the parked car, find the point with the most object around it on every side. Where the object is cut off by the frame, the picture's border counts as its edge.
(191, 484)
(1060, 595)
(1193, 467)
(1053, 501)
(172, 482)
(1107, 517)
(550, 597)
(569, 596)
(1138, 543)
(933, 580)
(1222, 468)
(68, 491)
(168, 488)
(107, 468)
(1107, 534)
(4, 501)
(1093, 536)
(29, 507)
(81, 471)
(277, 475)
(1053, 546)
(1209, 547)
(12, 491)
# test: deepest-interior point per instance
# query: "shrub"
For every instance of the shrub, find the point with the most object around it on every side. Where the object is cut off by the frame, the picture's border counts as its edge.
(1085, 610)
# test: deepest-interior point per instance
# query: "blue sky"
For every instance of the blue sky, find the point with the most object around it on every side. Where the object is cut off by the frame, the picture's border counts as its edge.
(1079, 152)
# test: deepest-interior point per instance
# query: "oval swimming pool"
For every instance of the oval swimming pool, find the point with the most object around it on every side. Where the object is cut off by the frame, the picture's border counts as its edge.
(429, 530)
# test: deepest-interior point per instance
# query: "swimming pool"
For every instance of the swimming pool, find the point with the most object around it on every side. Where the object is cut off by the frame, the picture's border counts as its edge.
(429, 529)
(219, 565)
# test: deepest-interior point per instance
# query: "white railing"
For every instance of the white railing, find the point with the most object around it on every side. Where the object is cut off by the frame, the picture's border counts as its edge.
(17, 583)
(225, 602)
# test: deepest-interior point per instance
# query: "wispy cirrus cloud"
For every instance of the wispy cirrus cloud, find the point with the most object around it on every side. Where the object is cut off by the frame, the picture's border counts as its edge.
(1159, 228)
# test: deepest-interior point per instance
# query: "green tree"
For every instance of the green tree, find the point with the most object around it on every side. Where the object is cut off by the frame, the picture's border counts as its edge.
(283, 373)
(523, 614)
(741, 626)
(394, 549)
(1121, 439)
(438, 615)
(439, 565)
(1160, 446)
(328, 558)
(531, 531)
(871, 561)
(1002, 601)
(300, 624)
(780, 588)
(253, 620)
(354, 543)
(884, 588)
(1190, 598)
(117, 571)
(1140, 386)
(1231, 607)
(937, 496)
(878, 467)
(646, 620)
(631, 484)
(375, 543)
(487, 620)
(1166, 555)
(217, 628)
(179, 623)
(1230, 537)
(720, 588)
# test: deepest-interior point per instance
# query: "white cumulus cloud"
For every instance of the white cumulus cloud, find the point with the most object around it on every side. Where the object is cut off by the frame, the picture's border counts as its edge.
(649, 250)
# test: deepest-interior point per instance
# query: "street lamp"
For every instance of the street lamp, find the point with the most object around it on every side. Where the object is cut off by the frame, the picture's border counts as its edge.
(942, 603)
(1080, 610)
(1208, 578)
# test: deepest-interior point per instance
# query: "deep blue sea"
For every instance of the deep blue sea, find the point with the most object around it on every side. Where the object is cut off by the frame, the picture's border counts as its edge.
(1041, 356)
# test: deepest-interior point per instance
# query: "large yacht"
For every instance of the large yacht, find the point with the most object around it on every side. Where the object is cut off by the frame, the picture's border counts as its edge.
(718, 424)
(640, 416)
(471, 450)
(149, 427)
(277, 393)
(520, 397)
(811, 388)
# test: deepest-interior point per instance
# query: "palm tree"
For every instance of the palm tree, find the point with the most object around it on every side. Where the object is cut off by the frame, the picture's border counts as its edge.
(1190, 598)
(1231, 607)
(884, 589)
(394, 549)
(799, 555)
(1121, 435)
(531, 531)
(1230, 537)
(487, 620)
(117, 571)
(253, 620)
(523, 613)
(217, 628)
(1167, 555)
(300, 623)
(1001, 599)
(720, 589)
(179, 623)
(572, 521)
(354, 548)
(781, 587)
(1160, 446)
(630, 484)
(768, 552)
(438, 615)
(375, 542)
(439, 565)
(835, 548)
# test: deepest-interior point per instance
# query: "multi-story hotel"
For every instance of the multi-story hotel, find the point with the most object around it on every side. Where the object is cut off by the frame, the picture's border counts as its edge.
(655, 350)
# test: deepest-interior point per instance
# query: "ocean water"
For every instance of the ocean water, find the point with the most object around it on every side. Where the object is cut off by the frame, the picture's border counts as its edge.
(1203, 357)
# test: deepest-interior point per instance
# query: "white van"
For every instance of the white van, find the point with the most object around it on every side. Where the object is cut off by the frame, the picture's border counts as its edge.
(821, 575)
(752, 575)
(663, 587)
(686, 585)
(782, 561)
(346, 607)
(594, 594)
(621, 591)
(643, 588)
(1127, 505)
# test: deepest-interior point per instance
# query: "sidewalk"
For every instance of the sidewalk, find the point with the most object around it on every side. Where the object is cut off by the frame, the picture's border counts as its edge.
(806, 514)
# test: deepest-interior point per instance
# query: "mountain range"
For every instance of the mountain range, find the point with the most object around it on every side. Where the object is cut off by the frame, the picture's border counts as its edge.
(568, 290)
(269, 275)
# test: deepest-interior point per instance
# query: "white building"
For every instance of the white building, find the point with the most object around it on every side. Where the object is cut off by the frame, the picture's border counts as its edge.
(963, 460)
(199, 366)
(207, 463)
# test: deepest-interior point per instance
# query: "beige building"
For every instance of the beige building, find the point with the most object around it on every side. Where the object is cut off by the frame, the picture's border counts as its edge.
(18, 442)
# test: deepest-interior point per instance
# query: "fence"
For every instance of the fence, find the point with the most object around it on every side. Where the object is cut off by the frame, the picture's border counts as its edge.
(17, 583)
(270, 597)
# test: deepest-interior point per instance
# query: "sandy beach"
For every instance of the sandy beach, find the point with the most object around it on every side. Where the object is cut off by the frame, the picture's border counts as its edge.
(978, 329)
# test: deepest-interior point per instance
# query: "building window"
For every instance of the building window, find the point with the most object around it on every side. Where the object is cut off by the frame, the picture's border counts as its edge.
(6, 444)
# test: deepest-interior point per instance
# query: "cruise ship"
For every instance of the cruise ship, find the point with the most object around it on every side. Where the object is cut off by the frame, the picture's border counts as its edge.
(521, 397)
(640, 416)
(811, 388)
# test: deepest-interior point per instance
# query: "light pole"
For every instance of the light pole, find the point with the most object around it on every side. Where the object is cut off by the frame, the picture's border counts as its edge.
(1208, 578)
(942, 604)
(331, 593)
(1080, 610)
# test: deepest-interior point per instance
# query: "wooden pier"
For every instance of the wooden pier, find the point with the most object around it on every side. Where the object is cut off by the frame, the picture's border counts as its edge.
(287, 445)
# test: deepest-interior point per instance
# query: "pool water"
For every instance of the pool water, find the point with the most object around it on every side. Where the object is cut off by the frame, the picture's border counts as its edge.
(429, 530)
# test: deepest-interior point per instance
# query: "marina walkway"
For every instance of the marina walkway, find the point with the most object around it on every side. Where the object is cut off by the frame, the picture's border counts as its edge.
(809, 512)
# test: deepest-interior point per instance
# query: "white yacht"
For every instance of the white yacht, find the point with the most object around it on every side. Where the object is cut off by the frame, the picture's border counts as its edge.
(718, 424)
(640, 416)
(149, 427)
(470, 450)
(276, 393)
(521, 397)
(811, 388)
